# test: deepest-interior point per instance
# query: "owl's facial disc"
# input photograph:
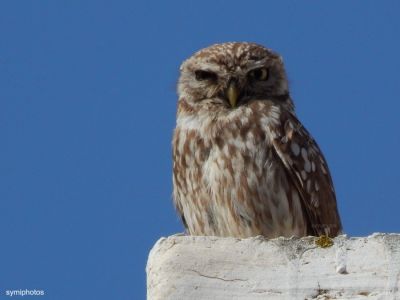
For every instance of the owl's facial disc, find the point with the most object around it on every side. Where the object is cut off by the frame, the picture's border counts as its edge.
(231, 75)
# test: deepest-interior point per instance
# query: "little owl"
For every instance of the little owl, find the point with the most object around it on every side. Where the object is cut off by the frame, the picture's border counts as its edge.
(243, 164)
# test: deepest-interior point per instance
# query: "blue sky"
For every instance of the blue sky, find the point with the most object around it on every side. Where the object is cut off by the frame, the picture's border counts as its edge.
(87, 109)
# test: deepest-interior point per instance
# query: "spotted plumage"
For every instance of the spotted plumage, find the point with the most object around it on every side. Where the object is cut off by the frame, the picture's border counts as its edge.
(244, 165)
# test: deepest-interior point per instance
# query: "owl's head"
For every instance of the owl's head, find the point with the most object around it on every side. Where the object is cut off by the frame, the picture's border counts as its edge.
(230, 75)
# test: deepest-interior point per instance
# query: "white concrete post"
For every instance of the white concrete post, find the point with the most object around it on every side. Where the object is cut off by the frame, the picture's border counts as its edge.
(187, 267)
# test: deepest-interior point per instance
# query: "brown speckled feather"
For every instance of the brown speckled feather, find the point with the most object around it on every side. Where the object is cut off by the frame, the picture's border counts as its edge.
(308, 170)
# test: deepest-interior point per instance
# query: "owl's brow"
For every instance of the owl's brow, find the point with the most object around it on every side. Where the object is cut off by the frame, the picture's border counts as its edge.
(208, 67)
(251, 65)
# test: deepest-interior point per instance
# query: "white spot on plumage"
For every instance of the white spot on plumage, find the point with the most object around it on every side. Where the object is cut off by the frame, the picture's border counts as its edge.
(307, 166)
(304, 153)
(309, 185)
(295, 148)
(313, 166)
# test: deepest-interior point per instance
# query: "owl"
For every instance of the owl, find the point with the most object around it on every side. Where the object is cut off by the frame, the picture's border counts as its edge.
(243, 164)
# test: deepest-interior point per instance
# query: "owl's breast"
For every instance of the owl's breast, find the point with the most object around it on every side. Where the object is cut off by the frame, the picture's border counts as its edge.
(235, 153)
(232, 183)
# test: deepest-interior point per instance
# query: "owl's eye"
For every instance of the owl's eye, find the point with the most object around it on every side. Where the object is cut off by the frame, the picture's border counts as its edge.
(205, 75)
(260, 74)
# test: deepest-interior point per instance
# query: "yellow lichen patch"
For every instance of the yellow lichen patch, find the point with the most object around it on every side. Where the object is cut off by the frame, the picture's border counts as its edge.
(324, 241)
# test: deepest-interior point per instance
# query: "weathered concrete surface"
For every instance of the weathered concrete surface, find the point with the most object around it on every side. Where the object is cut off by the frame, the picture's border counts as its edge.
(187, 267)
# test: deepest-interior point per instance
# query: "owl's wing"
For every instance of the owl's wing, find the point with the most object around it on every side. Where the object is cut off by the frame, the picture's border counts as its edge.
(308, 170)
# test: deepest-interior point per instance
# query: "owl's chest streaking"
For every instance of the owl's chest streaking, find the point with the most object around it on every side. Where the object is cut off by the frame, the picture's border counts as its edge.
(228, 181)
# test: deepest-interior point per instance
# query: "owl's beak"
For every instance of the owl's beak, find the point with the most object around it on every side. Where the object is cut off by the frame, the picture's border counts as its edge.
(232, 93)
